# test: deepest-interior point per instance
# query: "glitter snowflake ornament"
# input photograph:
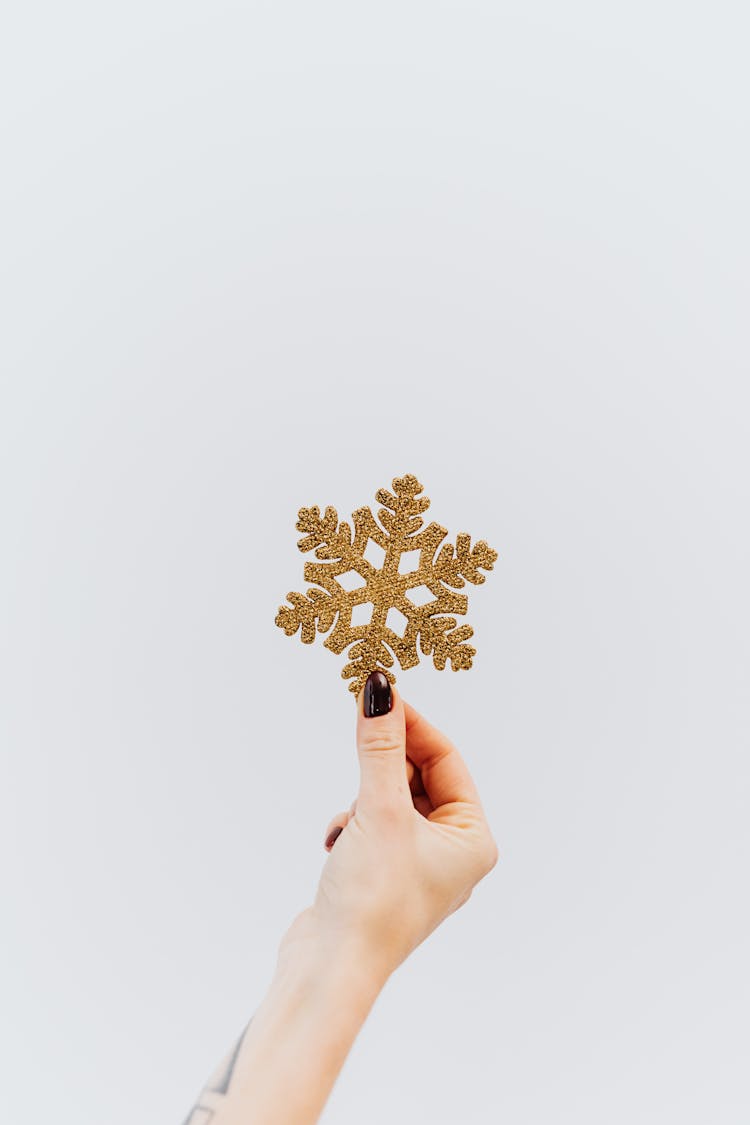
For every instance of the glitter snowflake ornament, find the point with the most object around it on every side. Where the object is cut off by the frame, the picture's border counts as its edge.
(422, 597)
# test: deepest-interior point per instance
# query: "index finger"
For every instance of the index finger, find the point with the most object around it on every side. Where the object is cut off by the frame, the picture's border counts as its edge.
(445, 775)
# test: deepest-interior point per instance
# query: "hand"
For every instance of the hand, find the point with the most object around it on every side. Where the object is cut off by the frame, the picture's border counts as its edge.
(412, 846)
(410, 850)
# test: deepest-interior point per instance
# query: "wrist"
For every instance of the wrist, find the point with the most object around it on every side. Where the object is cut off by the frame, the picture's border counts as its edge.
(313, 955)
(295, 1045)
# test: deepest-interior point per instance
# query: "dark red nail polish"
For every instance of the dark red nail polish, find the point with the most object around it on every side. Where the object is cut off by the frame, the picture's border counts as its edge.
(378, 695)
(333, 836)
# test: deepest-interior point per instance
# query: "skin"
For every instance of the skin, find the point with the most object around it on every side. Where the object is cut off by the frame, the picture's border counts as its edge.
(414, 844)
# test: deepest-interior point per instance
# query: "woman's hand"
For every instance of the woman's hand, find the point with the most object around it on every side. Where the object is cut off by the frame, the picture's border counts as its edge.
(411, 848)
(409, 852)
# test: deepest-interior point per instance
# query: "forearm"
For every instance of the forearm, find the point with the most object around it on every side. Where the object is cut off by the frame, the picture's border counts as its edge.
(290, 1054)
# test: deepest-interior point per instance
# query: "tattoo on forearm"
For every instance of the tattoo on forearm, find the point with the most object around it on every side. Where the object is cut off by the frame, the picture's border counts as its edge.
(217, 1087)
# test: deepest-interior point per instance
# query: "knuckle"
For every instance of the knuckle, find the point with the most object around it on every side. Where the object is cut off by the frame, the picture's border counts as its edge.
(491, 853)
(389, 809)
(464, 898)
(392, 810)
(379, 743)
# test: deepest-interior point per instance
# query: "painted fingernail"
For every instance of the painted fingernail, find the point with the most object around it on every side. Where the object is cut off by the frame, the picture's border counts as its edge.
(378, 696)
(333, 836)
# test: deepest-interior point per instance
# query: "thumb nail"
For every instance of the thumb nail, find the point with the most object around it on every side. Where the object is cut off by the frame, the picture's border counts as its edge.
(378, 696)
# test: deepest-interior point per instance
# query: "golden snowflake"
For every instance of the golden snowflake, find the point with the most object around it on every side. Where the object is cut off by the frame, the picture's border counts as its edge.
(419, 597)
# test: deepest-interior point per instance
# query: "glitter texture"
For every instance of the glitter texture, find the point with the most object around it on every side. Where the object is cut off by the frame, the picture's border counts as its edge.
(423, 595)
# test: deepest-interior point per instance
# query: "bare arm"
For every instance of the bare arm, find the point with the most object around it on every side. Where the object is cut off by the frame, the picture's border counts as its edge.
(285, 1063)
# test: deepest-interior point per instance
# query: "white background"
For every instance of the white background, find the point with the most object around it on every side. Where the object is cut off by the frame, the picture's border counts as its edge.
(259, 256)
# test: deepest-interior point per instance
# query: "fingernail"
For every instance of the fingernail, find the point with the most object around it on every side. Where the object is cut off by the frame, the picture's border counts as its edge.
(378, 698)
(333, 836)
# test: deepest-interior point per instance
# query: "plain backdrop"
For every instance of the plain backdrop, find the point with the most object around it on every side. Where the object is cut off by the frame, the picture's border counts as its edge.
(259, 256)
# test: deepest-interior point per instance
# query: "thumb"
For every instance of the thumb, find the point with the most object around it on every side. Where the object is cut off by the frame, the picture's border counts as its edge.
(381, 747)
